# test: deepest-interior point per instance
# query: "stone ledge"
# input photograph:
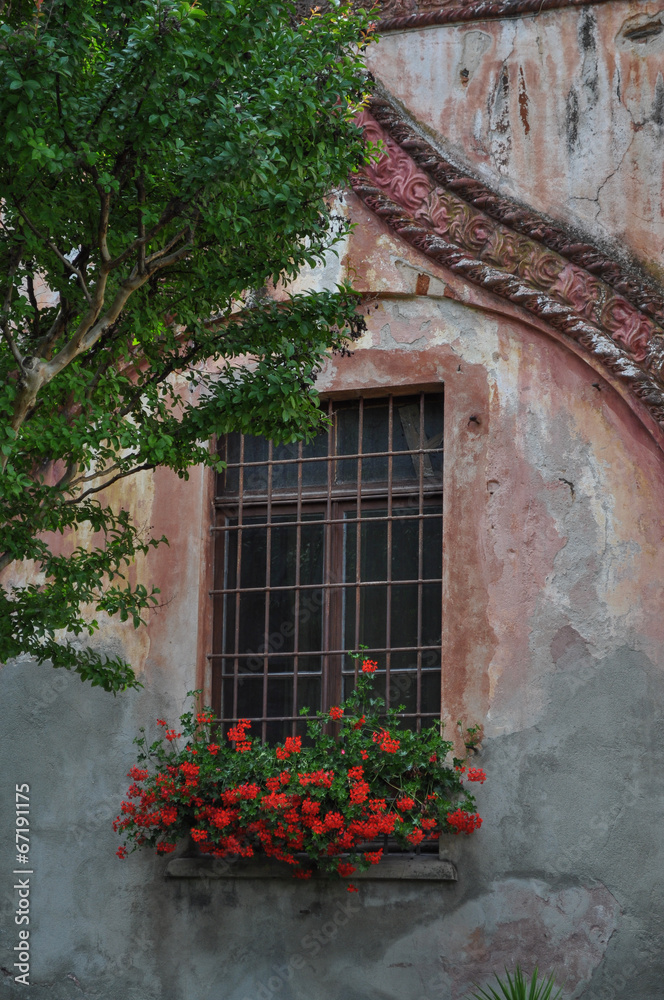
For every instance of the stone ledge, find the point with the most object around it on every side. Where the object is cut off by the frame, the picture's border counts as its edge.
(420, 868)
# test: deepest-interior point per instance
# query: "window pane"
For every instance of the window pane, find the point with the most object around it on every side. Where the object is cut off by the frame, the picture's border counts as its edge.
(403, 690)
(431, 692)
(431, 608)
(308, 694)
(346, 421)
(375, 438)
(250, 698)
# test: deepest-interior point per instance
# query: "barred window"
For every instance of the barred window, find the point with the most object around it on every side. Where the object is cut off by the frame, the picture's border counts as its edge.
(320, 547)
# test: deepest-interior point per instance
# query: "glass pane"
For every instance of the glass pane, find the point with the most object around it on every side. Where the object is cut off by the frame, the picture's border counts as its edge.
(276, 732)
(250, 698)
(252, 628)
(310, 620)
(284, 476)
(312, 548)
(407, 437)
(254, 552)
(308, 694)
(373, 547)
(227, 698)
(256, 449)
(431, 691)
(279, 696)
(315, 473)
(431, 614)
(231, 477)
(405, 545)
(404, 614)
(230, 553)
(405, 659)
(379, 684)
(310, 664)
(375, 424)
(433, 432)
(346, 420)
(403, 690)
(432, 534)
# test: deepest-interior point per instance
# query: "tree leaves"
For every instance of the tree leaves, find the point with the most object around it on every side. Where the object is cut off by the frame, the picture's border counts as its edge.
(160, 160)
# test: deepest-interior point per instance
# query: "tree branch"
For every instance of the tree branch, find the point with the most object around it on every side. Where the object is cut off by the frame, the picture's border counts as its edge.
(109, 482)
(5, 314)
(140, 184)
(49, 243)
(102, 231)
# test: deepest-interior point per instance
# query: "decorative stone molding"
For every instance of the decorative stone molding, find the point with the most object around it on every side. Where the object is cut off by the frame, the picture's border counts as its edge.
(399, 15)
(516, 254)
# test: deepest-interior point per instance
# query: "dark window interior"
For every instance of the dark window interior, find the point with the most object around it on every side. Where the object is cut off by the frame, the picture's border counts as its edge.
(322, 546)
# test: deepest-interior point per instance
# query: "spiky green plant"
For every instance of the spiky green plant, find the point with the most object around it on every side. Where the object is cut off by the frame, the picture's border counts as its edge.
(516, 988)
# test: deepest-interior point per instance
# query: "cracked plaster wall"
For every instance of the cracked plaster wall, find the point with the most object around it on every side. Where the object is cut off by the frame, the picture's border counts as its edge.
(563, 111)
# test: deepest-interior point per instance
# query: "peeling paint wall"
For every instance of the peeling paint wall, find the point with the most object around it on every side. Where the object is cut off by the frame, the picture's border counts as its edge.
(553, 628)
(563, 110)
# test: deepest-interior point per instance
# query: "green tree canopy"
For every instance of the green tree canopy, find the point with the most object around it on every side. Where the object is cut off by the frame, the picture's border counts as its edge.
(159, 160)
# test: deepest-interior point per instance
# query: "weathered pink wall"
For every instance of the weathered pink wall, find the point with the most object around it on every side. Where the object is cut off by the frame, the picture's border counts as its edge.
(559, 110)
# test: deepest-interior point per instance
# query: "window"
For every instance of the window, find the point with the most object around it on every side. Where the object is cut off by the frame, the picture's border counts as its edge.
(320, 547)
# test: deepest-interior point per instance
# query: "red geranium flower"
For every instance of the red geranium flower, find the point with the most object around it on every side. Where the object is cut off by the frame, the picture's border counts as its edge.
(476, 774)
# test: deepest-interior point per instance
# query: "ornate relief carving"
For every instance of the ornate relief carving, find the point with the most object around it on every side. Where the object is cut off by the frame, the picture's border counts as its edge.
(462, 224)
(401, 14)
(518, 219)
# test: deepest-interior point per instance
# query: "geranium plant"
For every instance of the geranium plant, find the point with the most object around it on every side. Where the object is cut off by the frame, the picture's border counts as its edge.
(313, 807)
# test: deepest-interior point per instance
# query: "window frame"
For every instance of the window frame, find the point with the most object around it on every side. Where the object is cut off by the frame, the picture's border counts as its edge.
(339, 499)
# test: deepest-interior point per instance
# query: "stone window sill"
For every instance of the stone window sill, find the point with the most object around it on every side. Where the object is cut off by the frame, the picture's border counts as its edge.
(422, 868)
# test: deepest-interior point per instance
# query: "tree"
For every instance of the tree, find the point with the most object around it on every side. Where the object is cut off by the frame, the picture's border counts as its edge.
(160, 160)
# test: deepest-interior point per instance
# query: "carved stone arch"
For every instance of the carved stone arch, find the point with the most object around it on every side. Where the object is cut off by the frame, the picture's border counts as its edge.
(577, 294)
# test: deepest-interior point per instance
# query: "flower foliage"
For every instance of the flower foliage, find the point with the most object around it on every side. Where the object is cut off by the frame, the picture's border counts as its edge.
(311, 804)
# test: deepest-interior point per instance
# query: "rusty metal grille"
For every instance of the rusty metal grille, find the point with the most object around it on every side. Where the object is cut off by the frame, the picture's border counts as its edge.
(320, 547)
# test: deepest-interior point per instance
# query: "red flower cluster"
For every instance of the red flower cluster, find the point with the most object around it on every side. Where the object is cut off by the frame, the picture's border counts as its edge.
(336, 713)
(476, 774)
(322, 779)
(464, 822)
(138, 773)
(292, 744)
(172, 735)
(404, 803)
(238, 736)
(387, 743)
(369, 666)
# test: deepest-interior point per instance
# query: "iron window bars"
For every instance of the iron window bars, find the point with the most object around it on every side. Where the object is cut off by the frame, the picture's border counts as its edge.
(320, 547)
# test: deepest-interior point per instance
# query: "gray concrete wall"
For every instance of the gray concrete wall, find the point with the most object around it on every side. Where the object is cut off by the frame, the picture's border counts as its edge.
(568, 869)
